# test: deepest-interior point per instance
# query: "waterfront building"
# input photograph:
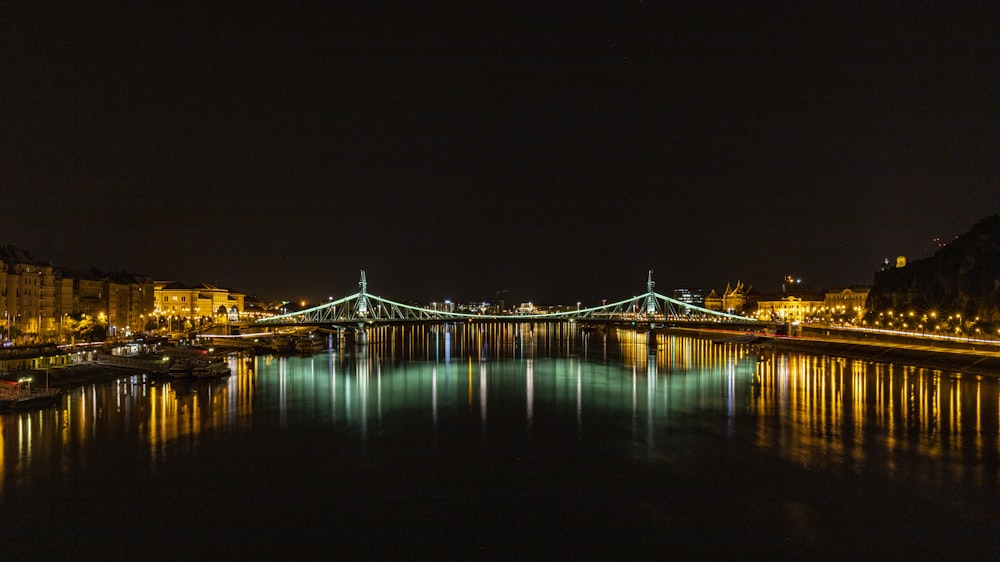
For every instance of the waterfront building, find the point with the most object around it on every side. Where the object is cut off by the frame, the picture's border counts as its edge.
(123, 301)
(848, 302)
(179, 307)
(37, 298)
(27, 295)
(788, 309)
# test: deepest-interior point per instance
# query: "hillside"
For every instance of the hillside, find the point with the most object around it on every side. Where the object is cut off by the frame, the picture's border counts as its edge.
(962, 277)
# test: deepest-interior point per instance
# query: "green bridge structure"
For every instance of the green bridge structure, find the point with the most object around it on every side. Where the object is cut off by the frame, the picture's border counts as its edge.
(648, 310)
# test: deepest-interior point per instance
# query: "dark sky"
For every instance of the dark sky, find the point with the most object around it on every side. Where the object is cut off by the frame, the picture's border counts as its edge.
(554, 152)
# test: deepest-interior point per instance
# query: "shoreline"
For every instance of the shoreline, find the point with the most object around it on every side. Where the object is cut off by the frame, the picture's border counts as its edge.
(69, 376)
(964, 361)
(971, 362)
(968, 360)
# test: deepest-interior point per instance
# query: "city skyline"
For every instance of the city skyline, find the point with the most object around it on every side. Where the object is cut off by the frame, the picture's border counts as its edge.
(554, 154)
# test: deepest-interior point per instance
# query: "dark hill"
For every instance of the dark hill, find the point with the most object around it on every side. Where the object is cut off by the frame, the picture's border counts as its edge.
(962, 277)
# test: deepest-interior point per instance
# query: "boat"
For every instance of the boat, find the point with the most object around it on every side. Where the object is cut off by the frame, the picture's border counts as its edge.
(36, 400)
(210, 369)
(309, 345)
(282, 344)
(142, 362)
(16, 397)
(180, 369)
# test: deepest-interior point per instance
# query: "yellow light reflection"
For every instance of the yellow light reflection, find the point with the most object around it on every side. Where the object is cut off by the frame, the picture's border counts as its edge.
(808, 412)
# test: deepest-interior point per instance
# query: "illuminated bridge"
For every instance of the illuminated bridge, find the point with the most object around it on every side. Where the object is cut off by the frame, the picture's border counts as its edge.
(363, 309)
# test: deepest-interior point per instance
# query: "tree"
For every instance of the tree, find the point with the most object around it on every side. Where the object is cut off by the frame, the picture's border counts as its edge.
(91, 329)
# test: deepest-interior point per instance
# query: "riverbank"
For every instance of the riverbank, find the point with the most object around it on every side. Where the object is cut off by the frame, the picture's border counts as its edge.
(970, 359)
(981, 360)
(978, 362)
(69, 376)
(47, 386)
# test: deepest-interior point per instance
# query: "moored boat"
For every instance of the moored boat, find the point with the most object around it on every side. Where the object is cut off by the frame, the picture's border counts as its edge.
(309, 345)
(144, 362)
(210, 369)
(282, 344)
(37, 399)
(180, 369)
(16, 396)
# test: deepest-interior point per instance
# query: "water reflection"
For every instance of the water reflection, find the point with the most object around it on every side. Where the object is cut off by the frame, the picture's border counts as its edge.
(900, 421)
(645, 391)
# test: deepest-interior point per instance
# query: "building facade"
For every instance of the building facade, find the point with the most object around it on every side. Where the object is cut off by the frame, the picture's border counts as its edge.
(788, 309)
(27, 296)
(692, 296)
(734, 299)
(180, 307)
(848, 302)
(39, 301)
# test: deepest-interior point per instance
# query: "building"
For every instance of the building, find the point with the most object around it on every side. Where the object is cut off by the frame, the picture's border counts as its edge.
(788, 309)
(713, 301)
(27, 296)
(180, 307)
(39, 300)
(123, 301)
(695, 297)
(734, 298)
(847, 303)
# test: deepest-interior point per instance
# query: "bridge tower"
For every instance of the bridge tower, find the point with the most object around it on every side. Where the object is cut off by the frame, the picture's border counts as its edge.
(652, 306)
(361, 307)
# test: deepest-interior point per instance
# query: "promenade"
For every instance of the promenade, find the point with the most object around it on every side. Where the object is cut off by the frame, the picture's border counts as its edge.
(963, 355)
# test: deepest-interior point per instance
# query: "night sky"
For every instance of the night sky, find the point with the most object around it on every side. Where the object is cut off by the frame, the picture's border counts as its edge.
(557, 153)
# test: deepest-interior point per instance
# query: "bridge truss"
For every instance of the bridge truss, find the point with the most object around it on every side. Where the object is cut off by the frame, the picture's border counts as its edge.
(363, 308)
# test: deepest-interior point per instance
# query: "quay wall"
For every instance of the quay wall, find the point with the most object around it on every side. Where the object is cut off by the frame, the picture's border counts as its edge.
(961, 356)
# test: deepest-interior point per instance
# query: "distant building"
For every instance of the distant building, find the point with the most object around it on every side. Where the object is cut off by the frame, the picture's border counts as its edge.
(445, 306)
(713, 301)
(788, 309)
(694, 297)
(847, 302)
(734, 299)
(526, 308)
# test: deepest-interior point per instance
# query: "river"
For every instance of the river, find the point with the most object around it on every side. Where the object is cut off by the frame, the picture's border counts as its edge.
(503, 440)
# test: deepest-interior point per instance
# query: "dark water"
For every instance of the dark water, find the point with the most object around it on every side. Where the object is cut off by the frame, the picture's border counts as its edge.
(502, 441)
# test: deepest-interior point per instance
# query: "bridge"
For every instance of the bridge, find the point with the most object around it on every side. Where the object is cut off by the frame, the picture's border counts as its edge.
(363, 309)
